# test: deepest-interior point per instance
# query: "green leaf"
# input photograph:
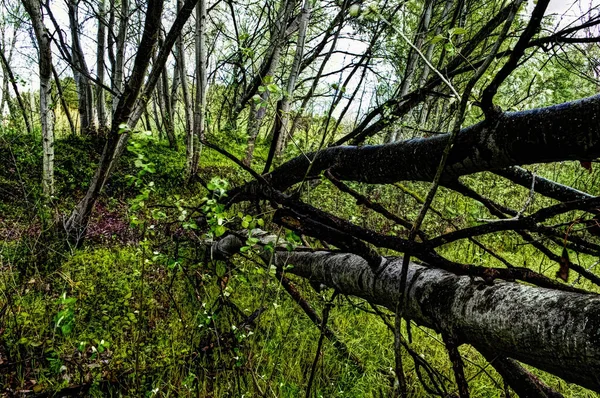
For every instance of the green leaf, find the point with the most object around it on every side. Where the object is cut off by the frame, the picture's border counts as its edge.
(457, 31)
(219, 230)
(437, 39)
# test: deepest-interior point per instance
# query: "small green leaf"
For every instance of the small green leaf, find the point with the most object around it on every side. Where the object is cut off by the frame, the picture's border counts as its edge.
(219, 230)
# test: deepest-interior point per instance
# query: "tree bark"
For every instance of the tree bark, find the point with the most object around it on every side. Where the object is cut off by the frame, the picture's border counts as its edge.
(63, 102)
(202, 82)
(568, 131)
(100, 101)
(291, 83)
(164, 101)
(76, 224)
(119, 59)
(130, 108)
(413, 57)
(9, 76)
(558, 332)
(190, 140)
(84, 87)
(33, 8)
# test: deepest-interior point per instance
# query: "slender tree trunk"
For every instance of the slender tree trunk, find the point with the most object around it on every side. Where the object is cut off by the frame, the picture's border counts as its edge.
(63, 102)
(118, 72)
(190, 141)
(174, 96)
(167, 112)
(10, 77)
(426, 70)
(259, 110)
(76, 224)
(291, 83)
(100, 101)
(278, 35)
(163, 101)
(202, 81)
(33, 8)
(84, 88)
(413, 59)
(130, 108)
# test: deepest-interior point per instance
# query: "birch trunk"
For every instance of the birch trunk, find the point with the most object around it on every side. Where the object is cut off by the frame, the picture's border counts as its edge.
(33, 8)
(100, 100)
(413, 57)
(117, 77)
(202, 82)
(130, 109)
(190, 141)
(567, 131)
(164, 101)
(555, 331)
(9, 76)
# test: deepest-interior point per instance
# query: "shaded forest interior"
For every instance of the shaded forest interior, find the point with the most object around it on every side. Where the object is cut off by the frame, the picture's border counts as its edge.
(300, 198)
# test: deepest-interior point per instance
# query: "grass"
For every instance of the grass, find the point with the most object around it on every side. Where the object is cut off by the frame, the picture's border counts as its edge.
(150, 314)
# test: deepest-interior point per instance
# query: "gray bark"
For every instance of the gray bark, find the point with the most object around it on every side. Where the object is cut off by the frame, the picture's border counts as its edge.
(129, 109)
(567, 131)
(202, 82)
(258, 111)
(164, 99)
(33, 8)
(558, 332)
(118, 71)
(190, 141)
(8, 76)
(291, 83)
(100, 101)
(84, 87)
(413, 57)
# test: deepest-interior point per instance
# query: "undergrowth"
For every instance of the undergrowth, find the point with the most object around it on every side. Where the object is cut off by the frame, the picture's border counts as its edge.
(143, 309)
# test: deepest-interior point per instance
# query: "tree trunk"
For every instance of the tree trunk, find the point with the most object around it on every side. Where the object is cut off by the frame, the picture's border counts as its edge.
(558, 332)
(100, 101)
(165, 103)
(33, 8)
(130, 108)
(291, 83)
(63, 102)
(117, 76)
(190, 141)
(561, 132)
(202, 81)
(76, 224)
(413, 57)
(10, 77)
(84, 87)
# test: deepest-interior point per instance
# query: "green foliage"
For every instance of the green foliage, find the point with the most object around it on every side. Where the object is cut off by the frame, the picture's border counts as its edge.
(64, 320)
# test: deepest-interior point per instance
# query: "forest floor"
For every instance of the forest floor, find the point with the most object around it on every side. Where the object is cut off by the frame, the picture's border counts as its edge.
(142, 309)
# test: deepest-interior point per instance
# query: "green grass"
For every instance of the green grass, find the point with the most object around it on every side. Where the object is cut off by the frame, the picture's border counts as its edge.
(153, 315)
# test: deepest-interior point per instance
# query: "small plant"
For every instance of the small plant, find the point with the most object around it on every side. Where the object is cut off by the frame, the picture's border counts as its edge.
(64, 320)
(216, 216)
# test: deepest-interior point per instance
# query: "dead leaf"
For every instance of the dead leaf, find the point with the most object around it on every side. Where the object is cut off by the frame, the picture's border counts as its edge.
(586, 165)
(565, 263)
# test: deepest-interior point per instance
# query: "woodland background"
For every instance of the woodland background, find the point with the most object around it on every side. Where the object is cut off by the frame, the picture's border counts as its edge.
(223, 198)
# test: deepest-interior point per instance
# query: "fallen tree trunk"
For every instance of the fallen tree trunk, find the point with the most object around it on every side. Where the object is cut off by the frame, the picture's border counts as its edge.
(567, 131)
(558, 332)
